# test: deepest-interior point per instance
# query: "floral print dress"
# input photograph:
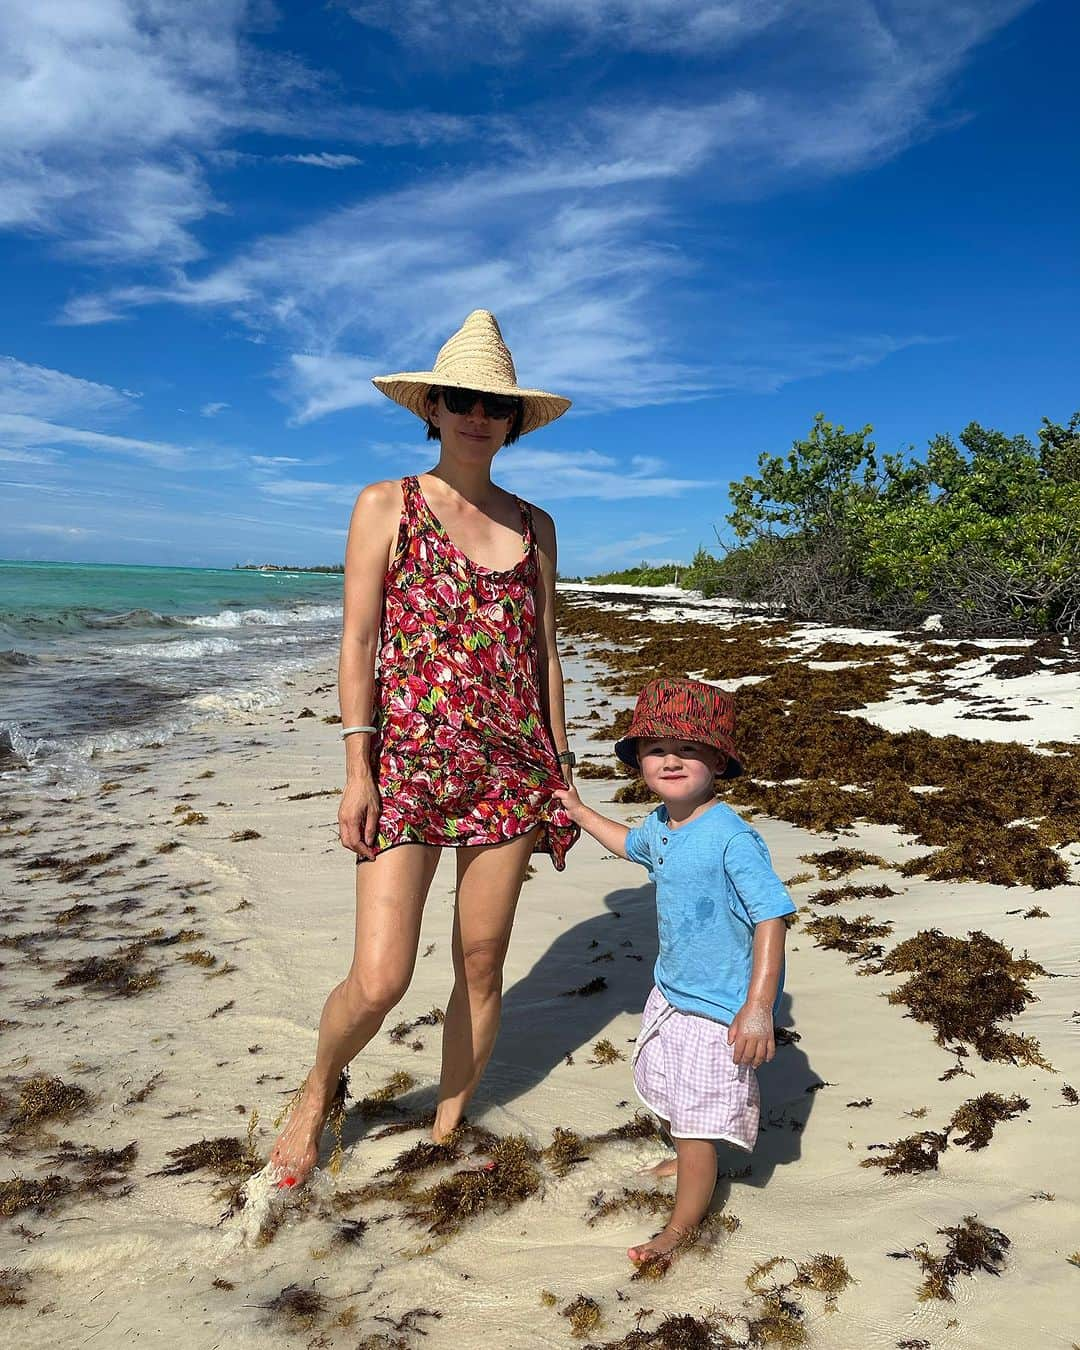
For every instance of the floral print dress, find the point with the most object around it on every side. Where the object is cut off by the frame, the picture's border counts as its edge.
(464, 754)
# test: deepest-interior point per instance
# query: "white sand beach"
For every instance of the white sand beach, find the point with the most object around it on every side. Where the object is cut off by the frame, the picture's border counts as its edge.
(143, 1259)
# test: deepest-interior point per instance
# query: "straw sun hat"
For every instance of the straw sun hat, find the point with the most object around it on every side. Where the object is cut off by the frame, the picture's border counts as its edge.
(475, 357)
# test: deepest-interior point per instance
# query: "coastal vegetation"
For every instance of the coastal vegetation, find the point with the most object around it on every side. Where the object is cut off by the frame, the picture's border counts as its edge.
(983, 531)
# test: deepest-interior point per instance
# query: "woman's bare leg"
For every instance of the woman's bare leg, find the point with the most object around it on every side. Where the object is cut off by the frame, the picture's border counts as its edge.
(489, 883)
(693, 1193)
(390, 895)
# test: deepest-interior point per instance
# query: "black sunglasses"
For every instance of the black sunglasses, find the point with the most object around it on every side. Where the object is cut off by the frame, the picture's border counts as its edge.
(496, 406)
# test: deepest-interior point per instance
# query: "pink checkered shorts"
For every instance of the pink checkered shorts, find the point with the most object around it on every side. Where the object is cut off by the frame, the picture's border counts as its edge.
(685, 1073)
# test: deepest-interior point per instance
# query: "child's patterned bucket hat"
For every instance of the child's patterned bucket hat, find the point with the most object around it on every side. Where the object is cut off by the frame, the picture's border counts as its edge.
(687, 709)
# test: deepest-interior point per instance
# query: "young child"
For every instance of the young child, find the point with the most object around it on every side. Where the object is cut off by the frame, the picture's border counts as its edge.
(708, 1023)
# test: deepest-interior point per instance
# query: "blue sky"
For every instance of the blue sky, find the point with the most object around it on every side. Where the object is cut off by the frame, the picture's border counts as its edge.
(702, 223)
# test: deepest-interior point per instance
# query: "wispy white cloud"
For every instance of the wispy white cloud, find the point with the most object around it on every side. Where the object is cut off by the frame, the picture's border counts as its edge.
(571, 227)
(323, 160)
(108, 109)
(43, 392)
(629, 550)
(28, 456)
(22, 432)
(490, 32)
(554, 475)
(329, 383)
(212, 409)
(62, 531)
(304, 490)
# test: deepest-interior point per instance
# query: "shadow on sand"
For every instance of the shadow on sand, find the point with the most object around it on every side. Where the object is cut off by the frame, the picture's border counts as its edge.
(541, 1025)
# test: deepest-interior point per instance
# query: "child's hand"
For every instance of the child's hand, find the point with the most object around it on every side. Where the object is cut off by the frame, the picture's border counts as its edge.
(751, 1033)
(571, 801)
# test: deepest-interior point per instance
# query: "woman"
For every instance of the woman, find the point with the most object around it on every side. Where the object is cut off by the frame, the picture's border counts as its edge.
(452, 713)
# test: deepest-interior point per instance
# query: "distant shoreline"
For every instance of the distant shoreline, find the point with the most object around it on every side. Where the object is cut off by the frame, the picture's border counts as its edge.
(333, 568)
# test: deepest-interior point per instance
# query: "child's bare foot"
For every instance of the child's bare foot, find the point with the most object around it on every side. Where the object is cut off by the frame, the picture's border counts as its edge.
(663, 1244)
(668, 1168)
(296, 1150)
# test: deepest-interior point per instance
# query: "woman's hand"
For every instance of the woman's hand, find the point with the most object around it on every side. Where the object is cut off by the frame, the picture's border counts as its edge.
(751, 1033)
(358, 816)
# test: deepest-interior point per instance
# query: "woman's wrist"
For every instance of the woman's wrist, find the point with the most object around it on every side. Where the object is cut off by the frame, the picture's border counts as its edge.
(358, 766)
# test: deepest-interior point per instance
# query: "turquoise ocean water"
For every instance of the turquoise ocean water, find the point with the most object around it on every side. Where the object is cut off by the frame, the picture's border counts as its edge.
(96, 657)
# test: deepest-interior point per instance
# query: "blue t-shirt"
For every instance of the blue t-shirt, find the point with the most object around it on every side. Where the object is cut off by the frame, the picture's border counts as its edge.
(714, 882)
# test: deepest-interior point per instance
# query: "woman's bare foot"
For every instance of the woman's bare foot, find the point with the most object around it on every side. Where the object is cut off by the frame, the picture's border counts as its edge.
(296, 1149)
(668, 1168)
(442, 1127)
(663, 1244)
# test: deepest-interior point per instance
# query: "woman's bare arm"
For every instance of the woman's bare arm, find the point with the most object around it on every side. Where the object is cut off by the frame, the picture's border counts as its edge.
(549, 667)
(372, 539)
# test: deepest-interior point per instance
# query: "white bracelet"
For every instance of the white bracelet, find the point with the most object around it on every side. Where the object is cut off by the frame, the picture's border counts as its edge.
(352, 731)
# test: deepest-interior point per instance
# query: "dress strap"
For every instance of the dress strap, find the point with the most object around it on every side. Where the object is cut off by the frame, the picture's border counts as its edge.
(528, 529)
(407, 522)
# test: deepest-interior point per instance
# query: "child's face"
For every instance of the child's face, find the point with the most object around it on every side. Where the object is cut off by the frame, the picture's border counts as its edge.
(677, 770)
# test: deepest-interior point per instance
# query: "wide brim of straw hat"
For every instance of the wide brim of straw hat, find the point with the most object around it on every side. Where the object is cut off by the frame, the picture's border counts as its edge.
(475, 357)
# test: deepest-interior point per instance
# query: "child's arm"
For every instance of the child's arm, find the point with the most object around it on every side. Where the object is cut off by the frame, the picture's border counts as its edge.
(751, 1031)
(609, 832)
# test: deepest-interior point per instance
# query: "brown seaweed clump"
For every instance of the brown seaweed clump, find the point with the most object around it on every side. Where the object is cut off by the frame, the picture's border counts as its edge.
(424, 1156)
(229, 1158)
(827, 1274)
(632, 1198)
(586, 769)
(566, 1150)
(12, 1284)
(511, 1179)
(122, 974)
(380, 1102)
(833, 895)
(226, 1155)
(780, 1322)
(679, 1332)
(73, 869)
(433, 1018)
(912, 1154)
(596, 986)
(796, 736)
(102, 1168)
(639, 1126)
(604, 1052)
(297, 1308)
(971, 1246)
(41, 1194)
(583, 1314)
(1011, 855)
(964, 989)
(973, 1123)
(42, 1098)
(838, 862)
(855, 936)
(978, 1117)
(401, 1331)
